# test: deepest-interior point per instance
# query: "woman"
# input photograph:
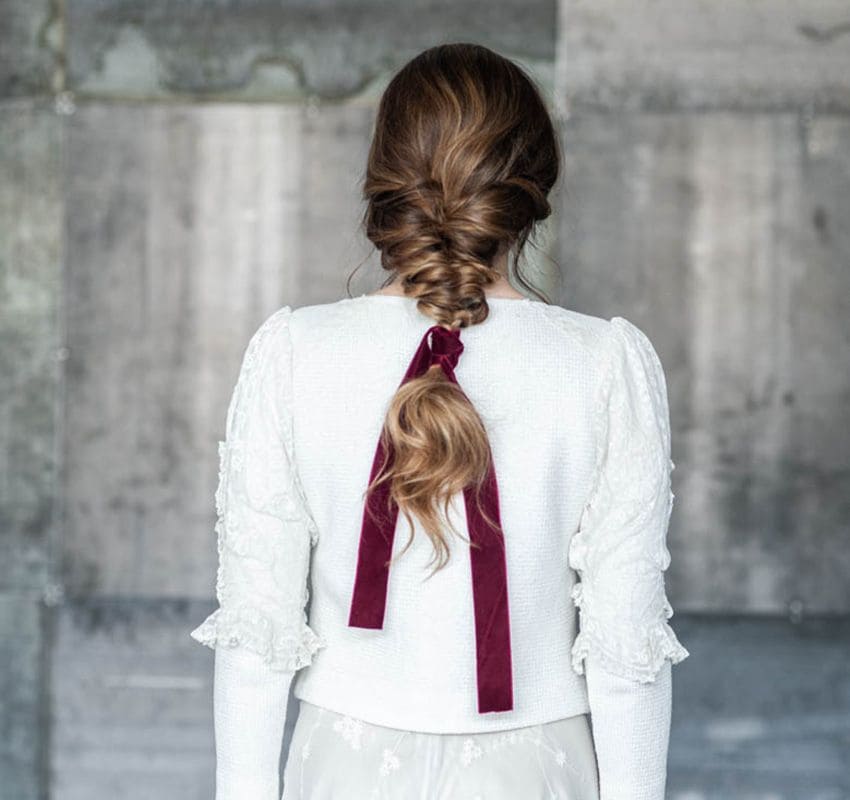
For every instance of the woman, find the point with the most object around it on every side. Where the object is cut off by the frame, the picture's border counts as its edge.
(534, 659)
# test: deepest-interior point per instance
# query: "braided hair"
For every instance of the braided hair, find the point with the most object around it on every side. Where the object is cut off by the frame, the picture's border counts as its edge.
(462, 160)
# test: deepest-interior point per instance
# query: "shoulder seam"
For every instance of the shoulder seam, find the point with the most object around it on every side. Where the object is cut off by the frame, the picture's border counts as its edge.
(561, 320)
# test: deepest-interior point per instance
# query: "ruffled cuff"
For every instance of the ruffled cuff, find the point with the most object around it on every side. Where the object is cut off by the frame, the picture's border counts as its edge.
(283, 647)
(638, 654)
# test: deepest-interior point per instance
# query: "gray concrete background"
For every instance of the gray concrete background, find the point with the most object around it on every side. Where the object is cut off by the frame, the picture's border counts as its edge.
(172, 172)
(725, 237)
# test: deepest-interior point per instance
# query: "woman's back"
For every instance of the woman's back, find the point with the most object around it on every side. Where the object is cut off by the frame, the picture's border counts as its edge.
(533, 373)
(576, 413)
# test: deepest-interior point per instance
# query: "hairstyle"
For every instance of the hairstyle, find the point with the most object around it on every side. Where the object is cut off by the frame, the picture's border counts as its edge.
(463, 156)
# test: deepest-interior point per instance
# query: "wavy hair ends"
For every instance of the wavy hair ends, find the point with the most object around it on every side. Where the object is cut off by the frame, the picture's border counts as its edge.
(439, 447)
(462, 160)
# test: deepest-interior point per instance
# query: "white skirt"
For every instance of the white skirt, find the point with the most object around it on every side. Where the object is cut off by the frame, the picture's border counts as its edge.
(337, 757)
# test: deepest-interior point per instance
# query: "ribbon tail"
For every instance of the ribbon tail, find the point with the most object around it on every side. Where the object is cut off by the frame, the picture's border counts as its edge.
(377, 532)
(369, 597)
(490, 599)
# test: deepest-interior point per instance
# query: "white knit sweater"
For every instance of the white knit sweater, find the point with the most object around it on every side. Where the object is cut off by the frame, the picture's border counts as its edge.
(576, 412)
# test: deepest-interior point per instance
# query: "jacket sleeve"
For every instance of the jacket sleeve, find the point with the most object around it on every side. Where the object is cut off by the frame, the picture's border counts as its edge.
(625, 645)
(264, 533)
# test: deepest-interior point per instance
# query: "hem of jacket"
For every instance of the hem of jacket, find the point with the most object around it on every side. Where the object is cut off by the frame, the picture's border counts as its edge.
(377, 706)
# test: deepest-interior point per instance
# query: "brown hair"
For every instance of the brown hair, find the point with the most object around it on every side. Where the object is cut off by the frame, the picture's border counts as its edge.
(463, 157)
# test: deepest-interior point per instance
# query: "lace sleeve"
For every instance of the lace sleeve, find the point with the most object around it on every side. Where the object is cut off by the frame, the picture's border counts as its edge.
(620, 550)
(264, 528)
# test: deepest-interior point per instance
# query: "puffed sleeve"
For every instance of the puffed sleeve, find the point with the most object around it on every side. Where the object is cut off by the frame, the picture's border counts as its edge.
(264, 528)
(625, 644)
(620, 551)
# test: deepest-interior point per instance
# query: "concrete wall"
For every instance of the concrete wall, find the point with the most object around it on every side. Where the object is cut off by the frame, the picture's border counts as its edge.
(172, 172)
(722, 234)
(31, 358)
(706, 200)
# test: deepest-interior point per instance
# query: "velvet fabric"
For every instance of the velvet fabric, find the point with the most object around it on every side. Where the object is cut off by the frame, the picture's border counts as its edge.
(487, 550)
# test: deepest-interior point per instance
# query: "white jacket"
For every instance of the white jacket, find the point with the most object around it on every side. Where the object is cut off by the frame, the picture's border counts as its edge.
(577, 415)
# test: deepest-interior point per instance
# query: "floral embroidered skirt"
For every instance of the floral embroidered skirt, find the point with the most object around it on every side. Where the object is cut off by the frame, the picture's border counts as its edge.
(337, 757)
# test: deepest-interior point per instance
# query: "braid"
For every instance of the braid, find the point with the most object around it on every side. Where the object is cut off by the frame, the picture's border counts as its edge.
(461, 163)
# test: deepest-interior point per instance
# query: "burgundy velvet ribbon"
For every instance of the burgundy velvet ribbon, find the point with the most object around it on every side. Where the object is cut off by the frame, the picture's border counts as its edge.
(488, 566)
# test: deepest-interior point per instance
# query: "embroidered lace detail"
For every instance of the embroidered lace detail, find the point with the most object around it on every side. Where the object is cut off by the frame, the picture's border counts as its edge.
(471, 751)
(284, 648)
(555, 759)
(390, 762)
(351, 730)
(628, 653)
(620, 550)
(264, 528)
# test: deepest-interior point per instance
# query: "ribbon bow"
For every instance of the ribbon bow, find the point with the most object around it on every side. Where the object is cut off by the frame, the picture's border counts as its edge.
(487, 560)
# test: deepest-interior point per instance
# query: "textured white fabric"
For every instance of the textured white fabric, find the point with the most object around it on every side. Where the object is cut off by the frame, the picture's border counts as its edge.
(576, 410)
(631, 731)
(249, 702)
